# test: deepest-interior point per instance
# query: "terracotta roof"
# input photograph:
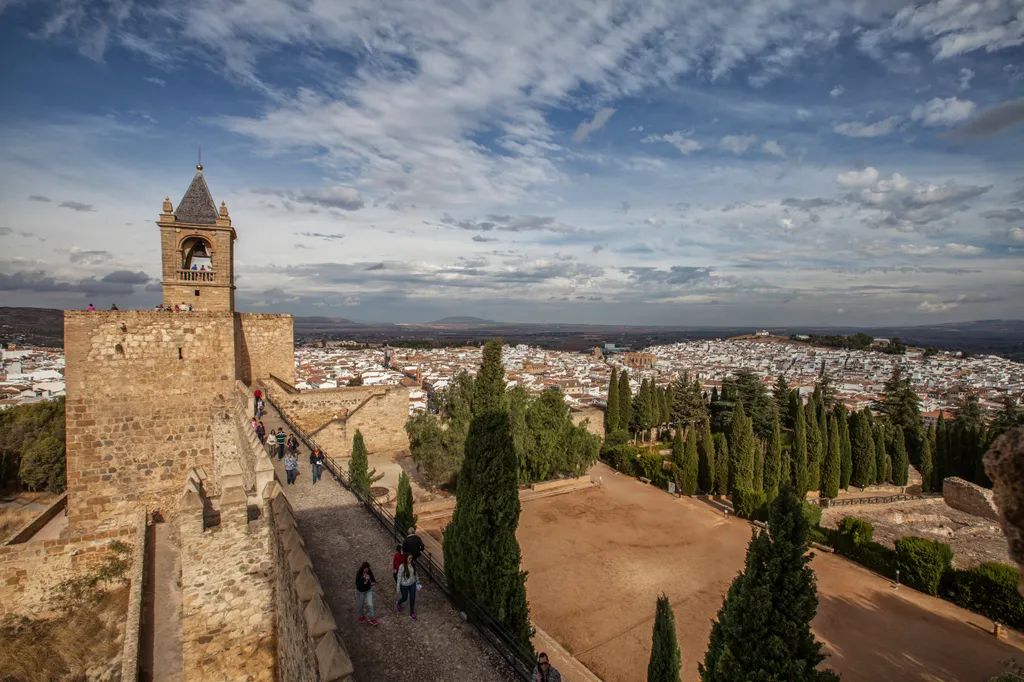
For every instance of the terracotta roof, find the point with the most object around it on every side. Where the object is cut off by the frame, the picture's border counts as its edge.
(197, 205)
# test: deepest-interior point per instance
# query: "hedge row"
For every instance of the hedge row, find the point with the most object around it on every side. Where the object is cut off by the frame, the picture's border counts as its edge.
(926, 565)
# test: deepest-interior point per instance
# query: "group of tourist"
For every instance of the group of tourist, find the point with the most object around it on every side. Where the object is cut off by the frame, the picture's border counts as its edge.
(113, 306)
(182, 308)
(202, 268)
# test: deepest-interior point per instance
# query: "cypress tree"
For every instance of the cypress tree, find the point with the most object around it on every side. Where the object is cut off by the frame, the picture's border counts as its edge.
(814, 470)
(678, 448)
(404, 517)
(845, 448)
(814, 437)
(780, 393)
(927, 484)
(721, 464)
(741, 451)
(863, 446)
(481, 553)
(799, 454)
(888, 469)
(706, 459)
(688, 478)
(773, 464)
(940, 452)
(666, 408)
(881, 456)
(763, 630)
(611, 414)
(359, 473)
(714, 394)
(900, 461)
(666, 663)
(831, 466)
(625, 402)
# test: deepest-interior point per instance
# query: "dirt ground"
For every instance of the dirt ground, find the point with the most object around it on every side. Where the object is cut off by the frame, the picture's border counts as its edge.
(598, 558)
(973, 539)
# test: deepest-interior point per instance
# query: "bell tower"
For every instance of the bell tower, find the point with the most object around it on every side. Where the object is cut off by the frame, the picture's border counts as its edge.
(197, 245)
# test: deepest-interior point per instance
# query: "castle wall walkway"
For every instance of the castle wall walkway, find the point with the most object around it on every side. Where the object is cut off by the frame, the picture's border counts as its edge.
(339, 535)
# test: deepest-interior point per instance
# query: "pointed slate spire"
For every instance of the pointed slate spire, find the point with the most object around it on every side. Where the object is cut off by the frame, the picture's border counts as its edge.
(197, 205)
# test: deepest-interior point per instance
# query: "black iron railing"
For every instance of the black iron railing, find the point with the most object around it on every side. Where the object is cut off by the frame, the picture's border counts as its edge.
(492, 631)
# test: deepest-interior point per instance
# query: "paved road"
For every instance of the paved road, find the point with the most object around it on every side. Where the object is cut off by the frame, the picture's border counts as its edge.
(340, 534)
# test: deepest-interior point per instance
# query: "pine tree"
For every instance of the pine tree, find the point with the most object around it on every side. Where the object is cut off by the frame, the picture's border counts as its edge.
(831, 466)
(625, 402)
(881, 456)
(900, 462)
(404, 517)
(927, 484)
(845, 448)
(706, 459)
(666, 663)
(799, 454)
(611, 414)
(481, 553)
(359, 473)
(688, 473)
(741, 451)
(763, 630)
(721, 464)
(773, 464)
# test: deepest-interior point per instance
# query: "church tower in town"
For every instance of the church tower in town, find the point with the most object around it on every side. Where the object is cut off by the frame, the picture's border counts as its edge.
(197, 245)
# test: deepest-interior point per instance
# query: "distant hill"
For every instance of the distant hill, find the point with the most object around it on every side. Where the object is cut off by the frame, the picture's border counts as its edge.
(32, 326)
(463, 322)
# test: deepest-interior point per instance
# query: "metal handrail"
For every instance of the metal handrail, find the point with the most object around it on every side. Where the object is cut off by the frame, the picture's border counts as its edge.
(493, 632)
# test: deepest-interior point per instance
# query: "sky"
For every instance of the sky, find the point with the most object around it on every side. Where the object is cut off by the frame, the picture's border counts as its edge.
(675, 162)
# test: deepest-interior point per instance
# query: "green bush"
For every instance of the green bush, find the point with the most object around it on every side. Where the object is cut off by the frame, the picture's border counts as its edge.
(816, 534)
(853, 533)
(812, 513)
(650, 465)
(991, 590)
(750, 504)
(922, 563)
(878, 558)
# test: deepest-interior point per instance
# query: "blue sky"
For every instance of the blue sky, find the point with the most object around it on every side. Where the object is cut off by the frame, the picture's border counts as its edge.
(780, 162)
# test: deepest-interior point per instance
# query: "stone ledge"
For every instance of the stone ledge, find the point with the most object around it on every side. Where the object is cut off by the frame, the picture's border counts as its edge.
(319, 620)
(333, 660)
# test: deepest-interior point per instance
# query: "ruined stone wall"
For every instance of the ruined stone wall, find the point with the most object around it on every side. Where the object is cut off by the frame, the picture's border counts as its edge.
(596, 417)
(970, 498)
(378, 412)
(138, 407)
(227, 578)
(265, 345)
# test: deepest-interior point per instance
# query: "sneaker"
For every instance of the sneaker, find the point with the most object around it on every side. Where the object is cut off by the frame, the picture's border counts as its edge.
(398, 607)
(373, 621)
(361, 620)
(413, 616)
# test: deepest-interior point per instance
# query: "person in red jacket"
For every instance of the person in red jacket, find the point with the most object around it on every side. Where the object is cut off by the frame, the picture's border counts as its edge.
(257, 394)
(397, 561)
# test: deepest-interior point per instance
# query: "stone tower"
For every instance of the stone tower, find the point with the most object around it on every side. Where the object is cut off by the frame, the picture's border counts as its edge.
(197, 245)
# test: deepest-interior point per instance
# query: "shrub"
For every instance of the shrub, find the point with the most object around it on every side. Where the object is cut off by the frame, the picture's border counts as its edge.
(816, 534)
(991, 590)
(749, 504)
(812, 513)
(651, 465)
(852, 535)
(878, 558)
(922, 563)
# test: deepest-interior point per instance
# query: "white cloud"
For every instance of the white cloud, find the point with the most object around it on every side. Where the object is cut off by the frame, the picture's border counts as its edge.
(681, 140)
(737, 144)
(773, 147)
(836, 91)
(937, 306)
(951, 249)
(585, 127)
(877, 129)
(858, 179)
(965, 78)
(943, 112)
(1017, 234)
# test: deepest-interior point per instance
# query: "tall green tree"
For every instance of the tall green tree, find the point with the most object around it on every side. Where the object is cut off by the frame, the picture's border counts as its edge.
(881, 456)
(845, 447)
(816, 437)
(706, 458)
(721, 464)
(666, 663)
(799, 454)
(359, 473)
(688, 474)
(741, 451)
(1008, 417)
(404, 516)
(32, 450)
(611, 414)
(825, 386)
(831, 466)
(780, 394)
(940, 453)
(625, 401)
(773, 464)
(900, 461)
(678, 449)
(763, 630)
(901, 404)
(482, 555)
(863, 451)
(968, 412)
(665, 401)
(927, 482)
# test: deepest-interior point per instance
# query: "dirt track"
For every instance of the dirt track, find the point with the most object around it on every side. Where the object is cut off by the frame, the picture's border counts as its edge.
(598, 559)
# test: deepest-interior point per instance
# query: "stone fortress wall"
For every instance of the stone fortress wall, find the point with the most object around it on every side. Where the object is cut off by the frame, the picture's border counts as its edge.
(378, 412)
(968, 497)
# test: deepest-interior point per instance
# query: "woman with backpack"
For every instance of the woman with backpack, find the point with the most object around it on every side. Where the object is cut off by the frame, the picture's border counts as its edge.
(408, 581)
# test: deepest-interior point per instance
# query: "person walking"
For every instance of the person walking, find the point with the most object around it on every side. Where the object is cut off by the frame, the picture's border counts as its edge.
(293, 443)
(316, 463)
(272, 442)
(261, 431)
(408, 583)
(291, 468)
(256, 395)
(364, 592)
(413, 545)
(545, 672)
(280, 444)
(396, 562)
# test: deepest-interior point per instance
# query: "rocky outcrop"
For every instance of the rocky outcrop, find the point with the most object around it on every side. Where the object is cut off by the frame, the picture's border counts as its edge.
(1004, 464)
(970, 498)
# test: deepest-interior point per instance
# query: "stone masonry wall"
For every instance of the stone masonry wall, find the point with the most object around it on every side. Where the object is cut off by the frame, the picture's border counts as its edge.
(265, 345)
(970, 498)
(378, 412)
(594, 415)
(227, 578)
(140, 385)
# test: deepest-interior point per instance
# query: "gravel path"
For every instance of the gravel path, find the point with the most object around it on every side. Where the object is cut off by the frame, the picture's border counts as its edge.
(340, 534)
